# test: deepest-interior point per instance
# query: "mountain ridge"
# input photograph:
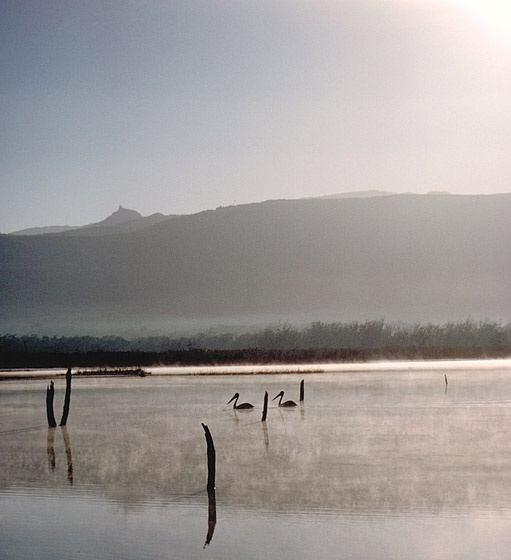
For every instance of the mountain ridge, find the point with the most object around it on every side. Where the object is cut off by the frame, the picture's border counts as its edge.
(123, 215)
(402, 258)
(116, 222)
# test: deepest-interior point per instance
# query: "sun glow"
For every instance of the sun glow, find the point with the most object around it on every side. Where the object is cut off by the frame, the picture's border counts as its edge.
(496, 13)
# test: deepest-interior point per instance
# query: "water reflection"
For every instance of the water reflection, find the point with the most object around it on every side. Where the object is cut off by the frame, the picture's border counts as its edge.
(69, 457)
(368, 444)
(265, 434)
(50, 449)
(211, 517)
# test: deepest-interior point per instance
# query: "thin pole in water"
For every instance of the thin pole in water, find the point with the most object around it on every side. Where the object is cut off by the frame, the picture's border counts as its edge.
(67, 399)
(302, 390)
(50, 393)
(265, 407)
(211, 485)
(211, 459)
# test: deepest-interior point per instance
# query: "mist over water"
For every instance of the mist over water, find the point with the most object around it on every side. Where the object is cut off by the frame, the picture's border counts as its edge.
(373, 463)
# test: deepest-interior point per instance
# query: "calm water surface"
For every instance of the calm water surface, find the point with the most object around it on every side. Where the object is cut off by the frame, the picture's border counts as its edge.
(374, 465)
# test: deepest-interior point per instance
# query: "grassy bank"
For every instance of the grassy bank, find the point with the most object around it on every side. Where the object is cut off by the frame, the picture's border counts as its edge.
(317, 342)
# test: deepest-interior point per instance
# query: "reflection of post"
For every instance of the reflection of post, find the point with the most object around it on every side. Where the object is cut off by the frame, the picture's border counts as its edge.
(265, 432)
(67, 445)
(50, 393)
(265, 407)
(50, 447)
(211, 517)
(67, 399)
(211, 485)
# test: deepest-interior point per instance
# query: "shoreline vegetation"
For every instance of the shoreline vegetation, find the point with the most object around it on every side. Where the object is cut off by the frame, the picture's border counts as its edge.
(282, 344)
(13, 375)
(118, 372)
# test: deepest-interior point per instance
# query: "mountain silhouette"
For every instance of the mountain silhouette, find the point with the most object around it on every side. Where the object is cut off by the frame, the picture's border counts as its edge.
(122, 220)
(119, 216)
(401, 258)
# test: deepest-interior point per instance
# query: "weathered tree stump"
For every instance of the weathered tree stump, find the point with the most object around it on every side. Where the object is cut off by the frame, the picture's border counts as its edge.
(50, 394)
(67, 399)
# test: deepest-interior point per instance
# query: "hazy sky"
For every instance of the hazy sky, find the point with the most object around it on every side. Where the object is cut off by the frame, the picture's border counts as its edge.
(180, 106)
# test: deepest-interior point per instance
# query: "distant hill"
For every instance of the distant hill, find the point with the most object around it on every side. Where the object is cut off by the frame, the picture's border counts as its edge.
(402, 258)
(122, 220)
(118, 217)
(358, 194)
(43, 230)
(371, 193)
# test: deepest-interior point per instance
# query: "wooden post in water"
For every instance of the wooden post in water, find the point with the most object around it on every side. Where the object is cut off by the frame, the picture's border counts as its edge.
(445, 377)
(210, 486)
(265, 407)
(211, 459)
(67, 399)
(50, 393)
(302, 390)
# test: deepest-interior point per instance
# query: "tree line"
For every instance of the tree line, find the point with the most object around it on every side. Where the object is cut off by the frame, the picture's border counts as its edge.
(317, 341)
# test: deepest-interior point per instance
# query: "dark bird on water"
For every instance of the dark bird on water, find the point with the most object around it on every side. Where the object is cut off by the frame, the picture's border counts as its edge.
(242, 406)
(285, 403)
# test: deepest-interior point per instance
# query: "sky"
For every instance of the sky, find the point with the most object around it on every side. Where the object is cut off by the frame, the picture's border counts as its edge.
(181, 106)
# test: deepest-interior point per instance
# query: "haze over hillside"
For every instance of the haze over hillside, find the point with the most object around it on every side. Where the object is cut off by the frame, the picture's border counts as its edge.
(402, 258)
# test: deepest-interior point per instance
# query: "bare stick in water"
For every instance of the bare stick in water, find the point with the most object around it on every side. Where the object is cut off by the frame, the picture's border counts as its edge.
(211, 459)
(67, 399)
(265, 406)
(445, 377)
(50, 393)
(211, 485)
(302, 390)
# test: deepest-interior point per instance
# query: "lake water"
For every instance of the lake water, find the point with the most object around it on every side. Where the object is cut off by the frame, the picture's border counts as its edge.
(376, 464)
